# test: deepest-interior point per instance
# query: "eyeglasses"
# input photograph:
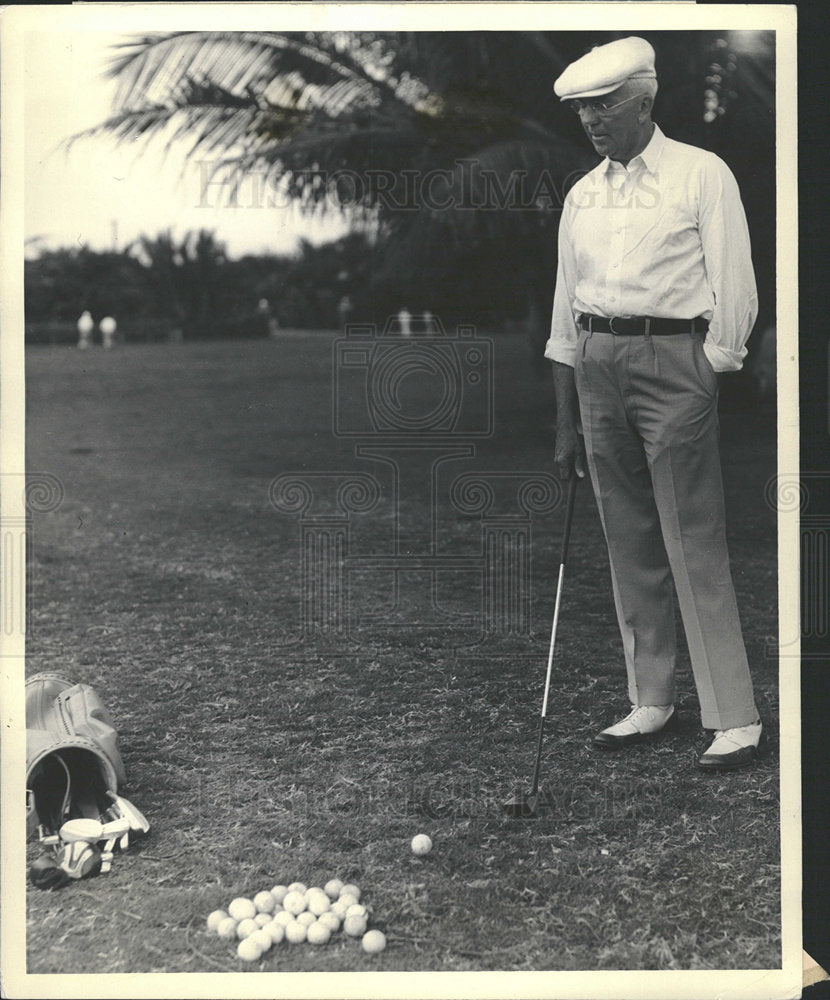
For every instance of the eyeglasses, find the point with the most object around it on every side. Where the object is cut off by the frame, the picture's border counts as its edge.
(599, 107)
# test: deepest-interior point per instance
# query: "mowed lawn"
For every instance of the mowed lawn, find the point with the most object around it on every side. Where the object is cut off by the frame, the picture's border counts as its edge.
(264, 751)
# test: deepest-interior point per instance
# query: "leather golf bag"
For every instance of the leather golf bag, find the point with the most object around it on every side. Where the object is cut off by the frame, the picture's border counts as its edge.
(73, 764)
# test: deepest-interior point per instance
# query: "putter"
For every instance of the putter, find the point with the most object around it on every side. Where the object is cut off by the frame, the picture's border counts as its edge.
(524, 805)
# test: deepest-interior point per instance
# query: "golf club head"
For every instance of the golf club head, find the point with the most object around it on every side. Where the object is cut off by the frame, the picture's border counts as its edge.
(523, 805)
(124, 809)
(79, 859)
(81, 829)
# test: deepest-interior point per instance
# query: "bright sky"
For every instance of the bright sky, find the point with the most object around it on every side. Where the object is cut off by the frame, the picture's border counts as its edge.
(98, 193)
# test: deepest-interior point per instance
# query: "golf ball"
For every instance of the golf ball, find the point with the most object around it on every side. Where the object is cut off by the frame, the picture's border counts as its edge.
(358, 910)
(245, 928)
(306, 917)
(333, 888)
(354, 926)
(242, 908)
(373, 942)
(262, 938)
(261, 919)
(275, 931)
(317, 902)
(347, 900)
(249, 951)
(279, 892)
(331, 920)
(318, 933)
(264, 902)
(339, 909)
(300, 887)
(283, 918)
(227, 929)
(350, 890)
(294, 902)
(216, 918)
(295, 933)
(421, 844)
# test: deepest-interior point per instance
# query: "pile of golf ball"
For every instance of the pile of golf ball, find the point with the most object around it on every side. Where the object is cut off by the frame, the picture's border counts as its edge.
(295, 913)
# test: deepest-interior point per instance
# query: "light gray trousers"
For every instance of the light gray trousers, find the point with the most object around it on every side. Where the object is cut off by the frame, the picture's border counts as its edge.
(648, 406)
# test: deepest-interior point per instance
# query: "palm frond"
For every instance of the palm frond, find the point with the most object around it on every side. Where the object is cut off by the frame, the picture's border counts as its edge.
(150, 67)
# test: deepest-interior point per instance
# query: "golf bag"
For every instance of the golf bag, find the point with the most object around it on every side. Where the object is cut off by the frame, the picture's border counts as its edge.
(73, 763)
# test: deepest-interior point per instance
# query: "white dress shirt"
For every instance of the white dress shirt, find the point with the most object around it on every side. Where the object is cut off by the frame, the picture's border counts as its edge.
(666, 236)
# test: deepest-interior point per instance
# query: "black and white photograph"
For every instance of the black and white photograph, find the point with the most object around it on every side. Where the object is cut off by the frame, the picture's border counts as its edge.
(400, 501)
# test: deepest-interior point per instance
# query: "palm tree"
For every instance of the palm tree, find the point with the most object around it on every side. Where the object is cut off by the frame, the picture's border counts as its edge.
(422, 135)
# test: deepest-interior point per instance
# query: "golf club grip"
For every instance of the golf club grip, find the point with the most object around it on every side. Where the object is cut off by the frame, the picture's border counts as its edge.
(569, 515)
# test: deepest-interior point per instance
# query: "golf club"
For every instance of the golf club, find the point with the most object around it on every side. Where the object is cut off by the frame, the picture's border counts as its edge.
(524, 805)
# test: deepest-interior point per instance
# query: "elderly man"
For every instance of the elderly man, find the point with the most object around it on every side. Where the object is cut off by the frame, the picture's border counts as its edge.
(655, 297)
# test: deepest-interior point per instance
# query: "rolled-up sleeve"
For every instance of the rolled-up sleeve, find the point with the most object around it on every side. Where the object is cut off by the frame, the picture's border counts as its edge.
(561, 345)
(724, 237)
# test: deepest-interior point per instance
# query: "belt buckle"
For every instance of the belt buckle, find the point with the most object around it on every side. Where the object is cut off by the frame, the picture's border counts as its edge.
(616, 333)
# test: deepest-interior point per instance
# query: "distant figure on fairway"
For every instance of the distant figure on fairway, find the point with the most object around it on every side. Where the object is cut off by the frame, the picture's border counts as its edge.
(344, 310)
(107, 327)
(655, 297)
(270, 324)
(405, 322)
(86, 325)
(429, 324)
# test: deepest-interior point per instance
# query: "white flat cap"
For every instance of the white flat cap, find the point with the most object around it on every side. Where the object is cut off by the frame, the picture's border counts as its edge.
(605, 68)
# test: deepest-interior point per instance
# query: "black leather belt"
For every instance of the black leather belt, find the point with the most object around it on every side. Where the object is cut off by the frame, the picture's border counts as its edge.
(633, 326)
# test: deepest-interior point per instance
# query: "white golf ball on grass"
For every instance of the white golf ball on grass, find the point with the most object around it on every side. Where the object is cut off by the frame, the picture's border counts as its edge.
(331, 920)
(216, 918)
(349, 889)
(262, 938)
(300, 887)
(295, 933)
(421, 844)
(248, 950)
(333, 888)
(261, 919)
(294, 902)
(355, 926)
(264, 902)
(245, 928)
(317, 902)
(227, 929)
(306, 917)
(373, 941)
(284, 918)
(279, 892)
(318, 933)
(241, 908)
(275, 931)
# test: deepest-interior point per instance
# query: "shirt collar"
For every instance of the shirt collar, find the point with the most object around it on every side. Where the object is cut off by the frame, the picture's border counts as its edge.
(650, 155)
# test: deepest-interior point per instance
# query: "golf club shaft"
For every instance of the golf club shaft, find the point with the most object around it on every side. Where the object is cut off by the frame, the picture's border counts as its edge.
(566, 535)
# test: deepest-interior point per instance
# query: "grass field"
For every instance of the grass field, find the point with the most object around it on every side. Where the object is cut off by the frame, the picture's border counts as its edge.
(263, 750)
